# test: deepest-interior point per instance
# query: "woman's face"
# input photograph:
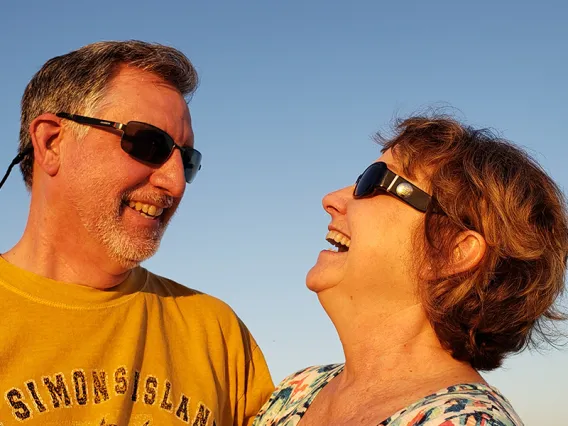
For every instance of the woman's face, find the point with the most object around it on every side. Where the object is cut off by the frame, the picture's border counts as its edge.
(380, 260)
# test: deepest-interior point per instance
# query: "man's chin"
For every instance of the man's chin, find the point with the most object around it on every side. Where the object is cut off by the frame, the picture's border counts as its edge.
(130, 254)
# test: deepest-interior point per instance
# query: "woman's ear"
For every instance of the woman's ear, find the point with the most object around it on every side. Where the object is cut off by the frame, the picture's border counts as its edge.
(45, 132)
(468, 251)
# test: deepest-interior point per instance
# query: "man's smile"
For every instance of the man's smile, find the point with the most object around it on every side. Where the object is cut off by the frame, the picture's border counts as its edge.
(148, 210)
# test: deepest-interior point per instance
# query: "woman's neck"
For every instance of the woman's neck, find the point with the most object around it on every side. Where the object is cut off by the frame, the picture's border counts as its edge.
(392, 357)
(391, 345)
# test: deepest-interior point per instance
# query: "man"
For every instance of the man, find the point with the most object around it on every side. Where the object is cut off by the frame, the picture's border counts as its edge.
(88, 336)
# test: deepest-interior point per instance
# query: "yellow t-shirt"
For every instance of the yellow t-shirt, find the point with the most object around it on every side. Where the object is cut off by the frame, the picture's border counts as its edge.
(148, 352)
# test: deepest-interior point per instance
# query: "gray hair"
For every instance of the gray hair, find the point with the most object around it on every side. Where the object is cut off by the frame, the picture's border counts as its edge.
(77, 81)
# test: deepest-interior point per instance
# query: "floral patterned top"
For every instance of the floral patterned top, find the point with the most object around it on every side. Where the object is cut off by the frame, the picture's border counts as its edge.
(470, 404)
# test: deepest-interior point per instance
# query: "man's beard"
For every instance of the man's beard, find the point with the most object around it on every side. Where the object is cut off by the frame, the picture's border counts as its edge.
(126, 247)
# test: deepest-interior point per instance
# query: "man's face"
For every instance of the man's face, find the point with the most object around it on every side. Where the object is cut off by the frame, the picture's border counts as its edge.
(118, 204)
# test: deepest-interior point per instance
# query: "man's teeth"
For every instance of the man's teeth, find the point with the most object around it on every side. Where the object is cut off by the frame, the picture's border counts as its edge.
(340, 241)
(147, 209)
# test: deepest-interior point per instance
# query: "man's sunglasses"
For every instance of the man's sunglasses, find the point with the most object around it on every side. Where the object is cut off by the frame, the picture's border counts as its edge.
(141, 141)
(146, 143)
(377, 179)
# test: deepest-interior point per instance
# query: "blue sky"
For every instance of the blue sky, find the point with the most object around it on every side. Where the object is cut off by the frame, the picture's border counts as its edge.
(291, 92)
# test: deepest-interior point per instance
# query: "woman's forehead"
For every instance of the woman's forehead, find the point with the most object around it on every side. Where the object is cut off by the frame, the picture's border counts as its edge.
(420, 175)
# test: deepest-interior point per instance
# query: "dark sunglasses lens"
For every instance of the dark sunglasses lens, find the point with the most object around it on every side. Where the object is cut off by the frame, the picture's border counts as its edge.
(369, 180)
(191, 163)
(146, 143)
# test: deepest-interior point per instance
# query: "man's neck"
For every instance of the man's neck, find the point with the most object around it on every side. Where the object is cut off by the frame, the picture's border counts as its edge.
(44, 252)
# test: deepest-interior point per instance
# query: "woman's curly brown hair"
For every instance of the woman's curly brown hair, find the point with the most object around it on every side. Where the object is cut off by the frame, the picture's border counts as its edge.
(483, 183)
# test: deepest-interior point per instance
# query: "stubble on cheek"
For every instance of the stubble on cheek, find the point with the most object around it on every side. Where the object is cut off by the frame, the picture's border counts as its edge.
(102, 216)
(128, 246)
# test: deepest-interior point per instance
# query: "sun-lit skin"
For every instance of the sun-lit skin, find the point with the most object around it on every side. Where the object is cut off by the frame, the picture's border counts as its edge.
(80, 228)
(375, 280)
(391, 352)
(380, 230)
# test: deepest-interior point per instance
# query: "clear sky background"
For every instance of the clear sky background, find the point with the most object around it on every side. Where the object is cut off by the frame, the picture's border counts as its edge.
(291, 92)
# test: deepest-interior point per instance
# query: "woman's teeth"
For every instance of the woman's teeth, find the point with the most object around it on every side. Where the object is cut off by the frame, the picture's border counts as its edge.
(340, 241)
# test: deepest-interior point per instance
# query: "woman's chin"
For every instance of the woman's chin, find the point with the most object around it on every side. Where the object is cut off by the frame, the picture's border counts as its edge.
(319, 279)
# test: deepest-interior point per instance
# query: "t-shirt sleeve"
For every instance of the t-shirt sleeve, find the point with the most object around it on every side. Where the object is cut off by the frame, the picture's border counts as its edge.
(259, 387)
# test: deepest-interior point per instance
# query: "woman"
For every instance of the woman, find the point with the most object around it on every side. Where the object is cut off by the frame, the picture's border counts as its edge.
(450, 252)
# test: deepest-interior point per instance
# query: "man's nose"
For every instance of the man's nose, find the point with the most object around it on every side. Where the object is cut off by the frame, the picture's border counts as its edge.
(170, 176)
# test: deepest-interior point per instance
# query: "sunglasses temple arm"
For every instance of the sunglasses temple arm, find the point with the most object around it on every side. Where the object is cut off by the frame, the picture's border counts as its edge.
(15, 161)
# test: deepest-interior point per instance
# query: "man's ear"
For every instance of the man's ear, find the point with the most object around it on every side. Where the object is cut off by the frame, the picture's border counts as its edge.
(469, 249)
(46, 134)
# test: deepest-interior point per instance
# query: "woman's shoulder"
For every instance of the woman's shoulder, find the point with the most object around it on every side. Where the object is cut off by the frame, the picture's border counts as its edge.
(311, 377)
(294, 394)
(463, 404)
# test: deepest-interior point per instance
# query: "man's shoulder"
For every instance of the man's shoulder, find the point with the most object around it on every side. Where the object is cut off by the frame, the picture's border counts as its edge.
(172, 292)
(166, 287)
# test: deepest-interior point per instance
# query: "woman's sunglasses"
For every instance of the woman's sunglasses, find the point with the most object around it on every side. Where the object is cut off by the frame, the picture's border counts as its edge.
(377, 179)
(146, 143)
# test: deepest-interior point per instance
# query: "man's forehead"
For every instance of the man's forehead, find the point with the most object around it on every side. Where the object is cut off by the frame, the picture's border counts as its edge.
(131, 85)
(128, 74)
(137, 95)
(132, 89)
